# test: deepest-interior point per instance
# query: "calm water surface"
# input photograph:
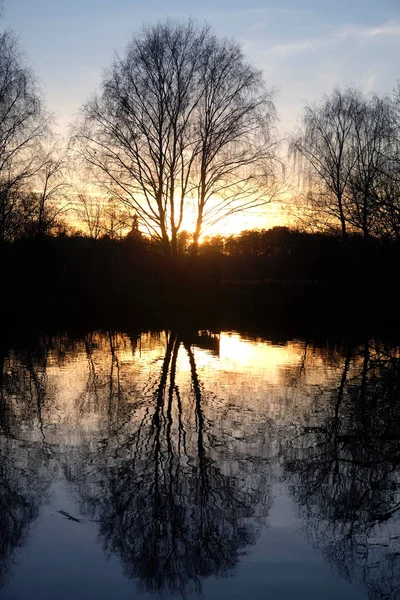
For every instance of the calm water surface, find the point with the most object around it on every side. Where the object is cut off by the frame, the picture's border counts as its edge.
(186, 465)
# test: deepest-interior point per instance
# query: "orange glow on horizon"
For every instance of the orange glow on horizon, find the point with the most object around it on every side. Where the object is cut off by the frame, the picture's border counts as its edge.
(273, 214)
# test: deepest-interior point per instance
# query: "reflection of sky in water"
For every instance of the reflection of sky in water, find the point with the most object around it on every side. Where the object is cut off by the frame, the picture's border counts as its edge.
(238, 368)
(238, 441)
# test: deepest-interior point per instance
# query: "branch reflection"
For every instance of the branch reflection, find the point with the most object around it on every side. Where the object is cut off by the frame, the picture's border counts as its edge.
(24, 478)
(170, 450)
(176, 496)
(342, 462)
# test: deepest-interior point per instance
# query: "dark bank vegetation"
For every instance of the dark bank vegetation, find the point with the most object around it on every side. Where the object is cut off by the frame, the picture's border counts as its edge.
(258, 276)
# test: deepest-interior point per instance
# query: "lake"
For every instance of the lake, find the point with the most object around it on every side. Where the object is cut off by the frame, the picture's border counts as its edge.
(199, 464)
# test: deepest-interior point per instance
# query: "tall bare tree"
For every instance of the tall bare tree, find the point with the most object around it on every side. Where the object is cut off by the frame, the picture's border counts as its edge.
(372, 147)
(23, 125)
(183, 125)
(348, 154)
(389, 181)
(326, 156)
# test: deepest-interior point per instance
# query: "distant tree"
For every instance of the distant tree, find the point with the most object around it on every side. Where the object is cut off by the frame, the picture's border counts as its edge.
(116, 219)
(104, 217)
(184, 239)
(183, 125)
(89, 214)
(48, 200)
(213, 244)
(388, 202)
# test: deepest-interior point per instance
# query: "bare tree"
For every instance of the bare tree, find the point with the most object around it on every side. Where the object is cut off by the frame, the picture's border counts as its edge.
(89, 214)
(22, 125)
(48, 199)
(326, 157)
(388, 203)
(388, 188)
(183, 125)
(372, 142)
(236, 166)
(348, 154)
(117, 219)
(104, 216)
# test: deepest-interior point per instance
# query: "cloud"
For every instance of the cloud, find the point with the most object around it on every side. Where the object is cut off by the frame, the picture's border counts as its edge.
(342, 34)
(273, 11)
(391, 29)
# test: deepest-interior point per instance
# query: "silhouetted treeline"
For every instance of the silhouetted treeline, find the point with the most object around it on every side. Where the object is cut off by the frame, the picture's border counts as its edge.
(284, 254)
(295, 272)
(219, 157)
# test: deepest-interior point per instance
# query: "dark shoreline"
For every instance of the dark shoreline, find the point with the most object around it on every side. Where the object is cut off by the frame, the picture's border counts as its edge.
(310, 286)
(277, 310)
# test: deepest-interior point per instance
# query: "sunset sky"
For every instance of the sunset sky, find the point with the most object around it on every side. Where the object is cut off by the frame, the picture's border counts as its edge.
(305, 47)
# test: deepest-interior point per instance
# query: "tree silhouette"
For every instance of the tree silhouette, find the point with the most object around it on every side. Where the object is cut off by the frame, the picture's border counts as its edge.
(23, 125)
(182, 128)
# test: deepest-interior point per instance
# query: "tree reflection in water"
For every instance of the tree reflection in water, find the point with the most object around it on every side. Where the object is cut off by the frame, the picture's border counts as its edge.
(175, 495)
(342, 462)
(172, 458)
(24, 477)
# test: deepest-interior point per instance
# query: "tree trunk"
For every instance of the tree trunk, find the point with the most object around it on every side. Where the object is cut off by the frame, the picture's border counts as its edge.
(342, 217)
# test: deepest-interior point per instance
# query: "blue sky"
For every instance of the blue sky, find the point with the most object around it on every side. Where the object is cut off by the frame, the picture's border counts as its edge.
(305, 47)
